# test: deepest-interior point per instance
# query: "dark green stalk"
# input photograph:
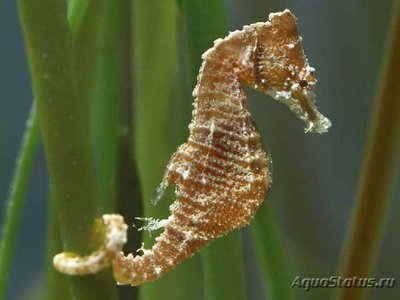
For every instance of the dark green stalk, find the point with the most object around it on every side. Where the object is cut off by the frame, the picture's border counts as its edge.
(371, 205)
(156, 111)
(204, 22)
(17, 197)
(223, 274)
(128, 202)
(65, 132)
(274, 263)
(223, 269)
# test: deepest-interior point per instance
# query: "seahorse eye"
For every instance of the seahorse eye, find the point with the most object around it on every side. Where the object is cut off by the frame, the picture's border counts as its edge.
(303, 83)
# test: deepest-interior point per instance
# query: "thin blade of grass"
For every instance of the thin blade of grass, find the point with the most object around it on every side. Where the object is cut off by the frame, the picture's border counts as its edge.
(156, 111)
(274, 263)
(17, 197)
(222, 260)
(371, 206)
(65, 133)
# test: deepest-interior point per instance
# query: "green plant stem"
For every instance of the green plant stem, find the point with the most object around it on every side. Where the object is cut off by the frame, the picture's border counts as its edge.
(112, 125)
(111, 89)
(274, 263)
(65, 133)
(17, 197)
(156, 109)
(84, 18)
(371, 205)
(223, 268)
(57, 285)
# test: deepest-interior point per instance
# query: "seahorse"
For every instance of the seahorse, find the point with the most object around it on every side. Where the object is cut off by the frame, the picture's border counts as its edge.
(221, 173)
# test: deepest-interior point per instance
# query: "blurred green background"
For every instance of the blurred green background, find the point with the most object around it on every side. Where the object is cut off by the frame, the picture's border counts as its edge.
(314, 176)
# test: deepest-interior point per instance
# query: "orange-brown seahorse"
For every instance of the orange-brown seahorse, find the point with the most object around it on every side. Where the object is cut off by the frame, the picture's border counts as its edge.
(221, 173)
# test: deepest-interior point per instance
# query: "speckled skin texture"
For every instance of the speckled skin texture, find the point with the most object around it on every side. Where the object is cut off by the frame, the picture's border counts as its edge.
(115, 231)
(221, 173)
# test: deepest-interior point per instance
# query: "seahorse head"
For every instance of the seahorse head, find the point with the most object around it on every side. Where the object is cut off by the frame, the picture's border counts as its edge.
(283, 71)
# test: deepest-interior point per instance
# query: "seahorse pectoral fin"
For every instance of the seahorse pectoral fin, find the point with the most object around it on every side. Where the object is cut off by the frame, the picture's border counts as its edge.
(115, 237)
(167, 179)
(159, 193)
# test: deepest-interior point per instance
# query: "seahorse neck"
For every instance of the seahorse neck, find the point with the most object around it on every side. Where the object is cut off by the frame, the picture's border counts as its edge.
(219, 89)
